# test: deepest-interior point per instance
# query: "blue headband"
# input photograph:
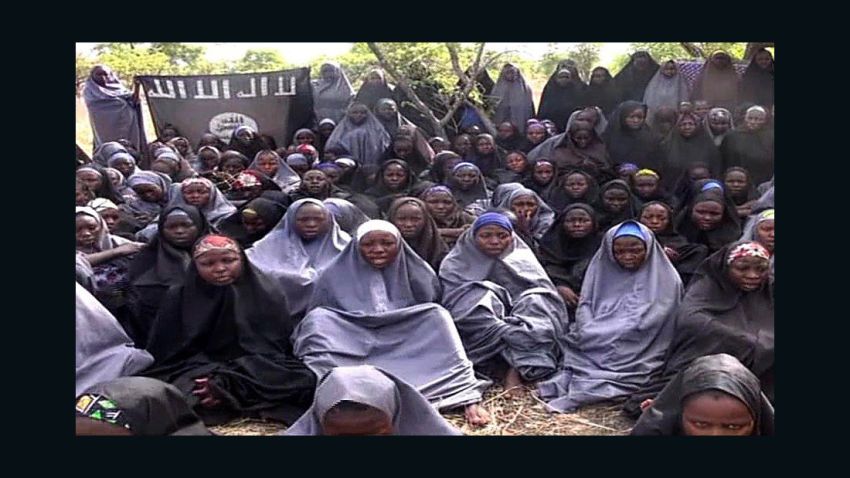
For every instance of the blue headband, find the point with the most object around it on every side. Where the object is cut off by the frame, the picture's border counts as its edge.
(463, 165)
(630, 228)
(713, 184)
(297, 158)
(324, 166)
(492, 218)
(437, 189)
(627, 167)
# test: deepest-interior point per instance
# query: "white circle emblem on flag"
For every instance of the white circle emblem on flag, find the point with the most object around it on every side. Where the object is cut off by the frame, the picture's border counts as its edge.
(223, 125)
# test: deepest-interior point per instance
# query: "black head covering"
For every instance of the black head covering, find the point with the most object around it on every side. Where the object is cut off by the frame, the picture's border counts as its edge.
(632, 82)
(106, 189)
(487, 163)
(690, 255)
(369, 94)
(557, 103)
(717, 86)
(757, 83)
(381, 192)
(564, 258)
(750, 149)
(680, 152)
(626, 145)
(729, 229)
(429, 245)
(720, 372)
(238, 335)
(149, 407)
(605, 96)
(250, 150)
(607, 218)
(436, 171)
(556, 197)
(269, 211)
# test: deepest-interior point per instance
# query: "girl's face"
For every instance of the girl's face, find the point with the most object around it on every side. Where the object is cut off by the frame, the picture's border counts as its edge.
(716, 414)
(635, 119)
(755, 120)
(578, 224)
(707, 215)
(749, 273)
(629, 252)
(233, 167)
(125, 166)
(645, 186)
(669, 69)
(83, 195)
(466, 179)
(615, 199)
(701, 108)
(764, 59)
(576, 185)
(325, 130)
(543, 173)
(403, 149)
(111, 217)
(484, 146)
(333, 174)
(182, 146)
(736, 182)
(304, 138)
(244, 136)
(395, 177)
(505, 131)
(267, 164)
(253, 223)
(719, 124)
(440, 205)
(582, 138)
(764, 234)
(374, 78)
(525, 206)
(655, 217)
(687, 127)
(516, 163)
(492, 240)
(358, 114)
(88, 228)
(410, 220)
(463, 145)
(180, 231)
(311, 221)
(698, 173)
(379, 248)
(219, 267)
(148, 192)
(386, 109)
(114, 178)
(598, 77)
(536, 135)
(93, 180)
(197, 195)
(315, 182)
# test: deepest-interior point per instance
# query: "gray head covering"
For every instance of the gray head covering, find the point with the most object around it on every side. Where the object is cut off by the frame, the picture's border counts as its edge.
(159, 180)
(331, 98)
(624, 325)
(543, 218)
(104, 351)
(504, 306)
(753, 221)
(105, 151)
(285, 177)
(516, 103)
(410, 412)
(347, 215)
(363, 315)
(502, 191)
(111, 113)
(216, 209)
(366, 142)
(663, 91)
(284, 255)
(718, 113)
(544, 149)
(105, 241)
(720, 372)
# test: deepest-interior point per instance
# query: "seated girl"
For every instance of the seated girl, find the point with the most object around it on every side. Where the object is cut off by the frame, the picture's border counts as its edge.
(376, 304)
(152, 190)
(715, 396)
(624, 321)
(417, 227)
(616, 204)
(534, 215)
(450, 218)
(222, 338)
(305, 241)
(275, 167)
(685, 255)
(709, 219)
(253, 221)
(508, 312)
(365, 400)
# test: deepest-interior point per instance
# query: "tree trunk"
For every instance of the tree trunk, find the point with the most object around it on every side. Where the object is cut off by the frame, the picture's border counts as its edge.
(692, 49)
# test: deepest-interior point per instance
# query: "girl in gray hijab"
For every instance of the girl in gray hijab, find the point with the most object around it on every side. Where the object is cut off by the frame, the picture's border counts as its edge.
(202, 193)
(537, 219)
(296, 250)
(503, 303)
(403, 410)
(332, 92)
(375, 304)
(347, 215)
(666, 88)
(515, 102)
(362, 135)
(274, 166)
(718, 124)
(114, 111)
(104, 351)
(624, 321)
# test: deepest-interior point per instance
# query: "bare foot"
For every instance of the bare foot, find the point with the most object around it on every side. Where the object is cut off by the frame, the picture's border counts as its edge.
(513, 382)
(477, 415)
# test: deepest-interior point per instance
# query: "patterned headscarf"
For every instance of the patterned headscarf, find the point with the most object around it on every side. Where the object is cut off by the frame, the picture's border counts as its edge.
(748, 249)
(214, 242)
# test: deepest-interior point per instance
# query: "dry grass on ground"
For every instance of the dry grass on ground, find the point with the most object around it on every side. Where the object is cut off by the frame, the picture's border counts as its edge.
(522, 415)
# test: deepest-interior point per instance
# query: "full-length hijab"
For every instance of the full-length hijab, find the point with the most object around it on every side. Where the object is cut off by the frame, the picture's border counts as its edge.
(558, 102)
(331, 98)
(362, 315)
(366, 142)
(624, 324)
(679, 152)
(632, 82)
(663, 91)
(369, 93)
(294, 262)
(717, 86)
(504, 306)
(410, 412)
(515, 102)
(729, 229)
(757, 83)
(429, 244)
(112, 113)
(566, 259)
(103, 351)
(626, 145)
(719, 372)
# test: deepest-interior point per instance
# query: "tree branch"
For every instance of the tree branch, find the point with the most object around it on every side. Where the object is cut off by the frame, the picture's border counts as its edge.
(467, 82)
(692, 49)
(404, 84)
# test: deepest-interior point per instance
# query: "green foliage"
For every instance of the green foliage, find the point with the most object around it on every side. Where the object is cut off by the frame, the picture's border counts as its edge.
(660, 51)
(181, 55)
(586, 56)
(260, 60)
(84, 66)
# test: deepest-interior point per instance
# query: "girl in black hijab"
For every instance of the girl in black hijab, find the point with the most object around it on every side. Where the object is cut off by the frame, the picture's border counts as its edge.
(162, 264)
(575, 186)
(395, 179)
(686, 144)
(751, 146)
(757, 82)
(95, 177)
(602, 91)
(709, 218)
(315, 184)
(253, 221)
(410, 215)
(633, 78)
(563, 94)
(736, 181)
(486, 155)
(685, 255)
(628, 139)
(374, 88)
(616, 204)
(717, 83)
(508, 138)
(222, 338)
(246, 141)
(566, 250)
